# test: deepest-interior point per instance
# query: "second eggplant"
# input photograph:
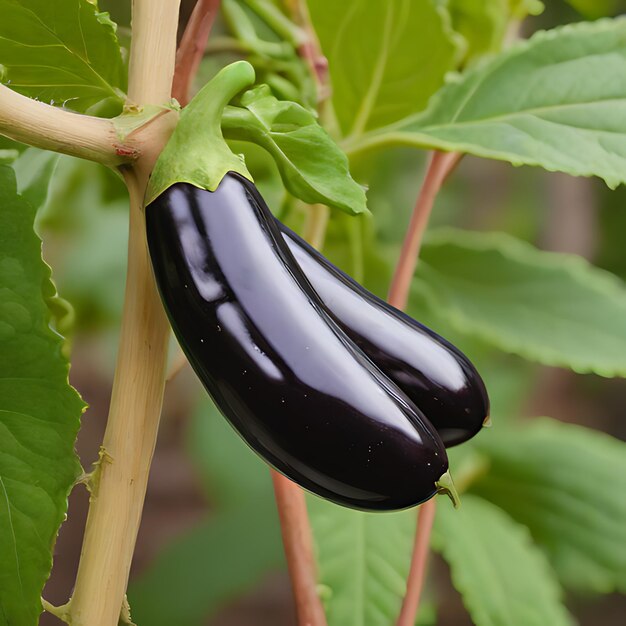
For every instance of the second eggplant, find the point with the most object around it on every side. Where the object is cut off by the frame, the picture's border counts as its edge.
(434, 374)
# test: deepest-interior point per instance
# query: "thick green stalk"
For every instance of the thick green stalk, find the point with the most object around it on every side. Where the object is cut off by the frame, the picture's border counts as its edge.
(126, 453)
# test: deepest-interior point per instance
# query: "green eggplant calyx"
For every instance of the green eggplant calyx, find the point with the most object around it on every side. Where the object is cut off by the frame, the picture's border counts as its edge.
(445, 485)
(197, 152)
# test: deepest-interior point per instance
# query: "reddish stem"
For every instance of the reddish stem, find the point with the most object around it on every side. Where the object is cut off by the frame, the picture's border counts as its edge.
(419, 560)
(318, 63)
(192, 46)
(440, 166)
(298, 544)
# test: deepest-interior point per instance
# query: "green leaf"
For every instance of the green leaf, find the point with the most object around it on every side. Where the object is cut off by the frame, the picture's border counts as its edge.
(481, 22)
(93, 268)
(77, 191)
(311, 165)
(363, 561)
(196, 153)
(8, 156)
(85, 217)
(567, 484)
(509, 379)
(9, 150)
(484, 23)
(33, 170)
(63, 52)
(208, 566)
(552, 308)
(385, 58)
(551, 101)
(229, 552)
(503, 578)
(39, 415)
(231, 472)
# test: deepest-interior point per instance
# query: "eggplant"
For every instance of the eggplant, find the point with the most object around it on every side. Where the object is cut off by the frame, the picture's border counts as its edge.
(433, 373)
(279, 368)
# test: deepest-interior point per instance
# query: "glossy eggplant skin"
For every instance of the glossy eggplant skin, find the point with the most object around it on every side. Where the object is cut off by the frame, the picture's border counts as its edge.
(291, 383)
(433, 373)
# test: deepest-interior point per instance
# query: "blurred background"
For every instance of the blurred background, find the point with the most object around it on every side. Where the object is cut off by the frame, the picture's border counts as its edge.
(209, 538)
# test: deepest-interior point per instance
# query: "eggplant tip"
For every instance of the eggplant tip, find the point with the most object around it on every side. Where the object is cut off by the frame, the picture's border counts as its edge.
(445, 485)
(487, 423)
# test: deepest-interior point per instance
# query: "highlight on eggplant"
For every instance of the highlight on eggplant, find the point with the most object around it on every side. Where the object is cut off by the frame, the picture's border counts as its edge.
(279, 368)
(433, 373)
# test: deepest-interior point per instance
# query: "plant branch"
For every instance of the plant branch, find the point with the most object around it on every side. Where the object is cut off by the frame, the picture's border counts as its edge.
(153, 50)
(298, 543)
(440, 166)
(316, 223)
(218, 45)
(51, 128)
(60, 612)
(192, 46)
(419, 560)
(177, 365)
(130, 437)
